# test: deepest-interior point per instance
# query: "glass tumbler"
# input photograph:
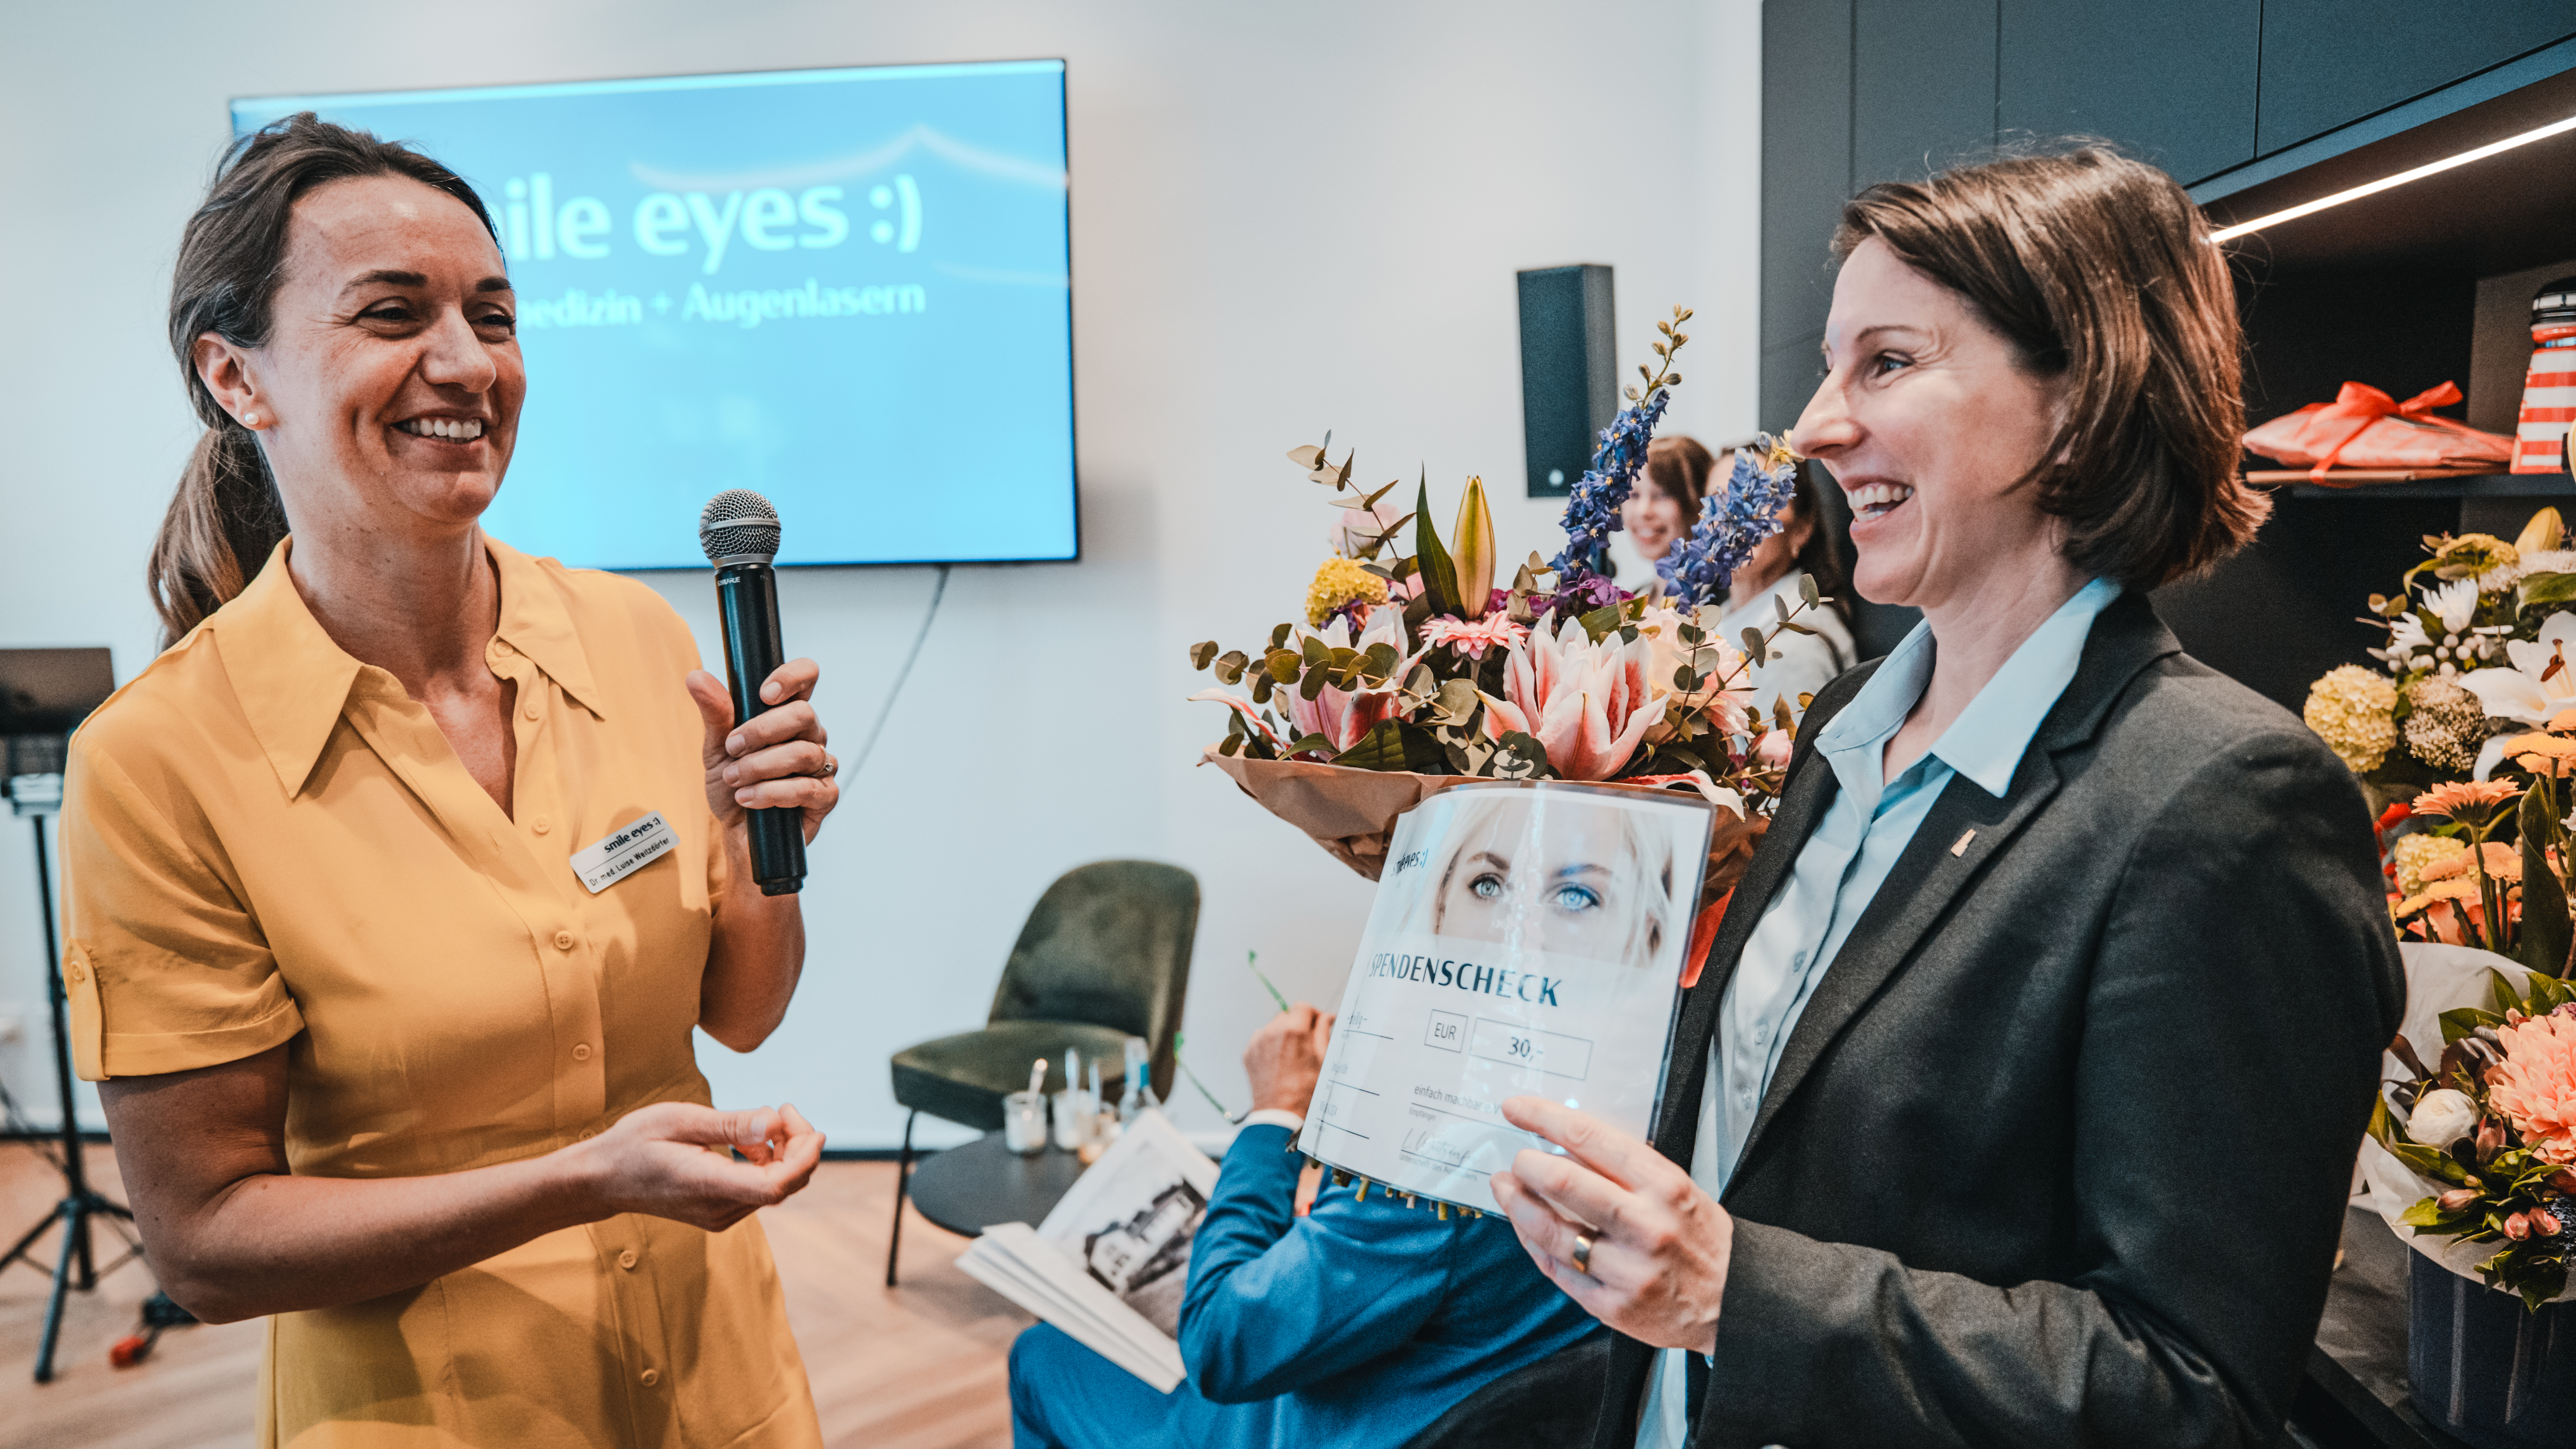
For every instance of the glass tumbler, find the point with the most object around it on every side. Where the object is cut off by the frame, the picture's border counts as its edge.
(1024, 1122)
(1074, 1110)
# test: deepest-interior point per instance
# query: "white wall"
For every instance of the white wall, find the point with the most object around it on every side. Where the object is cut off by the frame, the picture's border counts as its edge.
(1285, 219)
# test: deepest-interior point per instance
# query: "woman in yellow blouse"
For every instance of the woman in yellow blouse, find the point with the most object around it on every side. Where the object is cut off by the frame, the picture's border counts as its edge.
(378, 1064)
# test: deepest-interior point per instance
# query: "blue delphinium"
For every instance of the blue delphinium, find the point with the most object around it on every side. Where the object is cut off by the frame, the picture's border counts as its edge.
(1700, 566)
(1592, 510)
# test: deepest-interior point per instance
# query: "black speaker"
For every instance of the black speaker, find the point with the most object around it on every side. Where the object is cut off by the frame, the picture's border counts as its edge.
(1569, 373)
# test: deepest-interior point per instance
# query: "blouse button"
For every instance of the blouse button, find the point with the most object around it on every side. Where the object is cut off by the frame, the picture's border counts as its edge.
(541, 825)
(626, 1259)
(563, 940)
(531, 711)
(78, 972)
(650, 1377)
(581, 1051)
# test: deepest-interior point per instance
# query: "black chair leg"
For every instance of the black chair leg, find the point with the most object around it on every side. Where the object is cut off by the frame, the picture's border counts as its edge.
(902, 1180)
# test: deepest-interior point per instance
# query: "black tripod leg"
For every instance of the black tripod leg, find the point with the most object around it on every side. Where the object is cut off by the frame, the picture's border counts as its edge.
(75, 1234)
(29, 1241)
(902, 1180)
(88, 1258)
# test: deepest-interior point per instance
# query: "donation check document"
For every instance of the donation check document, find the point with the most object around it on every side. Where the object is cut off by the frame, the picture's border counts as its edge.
(1526, 939)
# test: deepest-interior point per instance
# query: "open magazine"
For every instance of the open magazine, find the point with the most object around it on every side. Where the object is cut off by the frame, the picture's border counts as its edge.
(1109, 1265)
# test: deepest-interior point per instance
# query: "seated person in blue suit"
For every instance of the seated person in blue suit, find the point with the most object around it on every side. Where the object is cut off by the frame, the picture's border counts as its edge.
(1358, 1324)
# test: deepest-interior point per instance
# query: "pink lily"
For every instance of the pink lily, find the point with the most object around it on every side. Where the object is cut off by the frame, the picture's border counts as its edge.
(1589, 704)
(1343, 717)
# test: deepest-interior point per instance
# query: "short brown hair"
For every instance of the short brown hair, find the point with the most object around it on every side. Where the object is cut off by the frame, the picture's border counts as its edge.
(2098, 269)
(1679, 469)
(225, 517)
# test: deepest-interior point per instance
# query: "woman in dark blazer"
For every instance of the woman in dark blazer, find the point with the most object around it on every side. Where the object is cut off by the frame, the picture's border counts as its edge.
(2018, 1102)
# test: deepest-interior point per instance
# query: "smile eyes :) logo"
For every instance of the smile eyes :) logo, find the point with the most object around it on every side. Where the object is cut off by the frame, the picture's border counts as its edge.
(535, 227)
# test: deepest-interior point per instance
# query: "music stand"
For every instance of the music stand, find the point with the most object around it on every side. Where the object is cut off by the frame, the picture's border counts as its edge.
(43, 694)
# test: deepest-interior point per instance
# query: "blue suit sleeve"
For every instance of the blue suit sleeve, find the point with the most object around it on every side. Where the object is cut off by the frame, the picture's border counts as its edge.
(1277, 1302)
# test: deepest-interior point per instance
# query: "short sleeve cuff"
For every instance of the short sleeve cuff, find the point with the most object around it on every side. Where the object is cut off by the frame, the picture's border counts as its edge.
(99, 1054)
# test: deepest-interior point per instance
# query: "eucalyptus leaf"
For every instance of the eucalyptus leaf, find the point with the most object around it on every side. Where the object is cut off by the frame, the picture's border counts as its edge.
(1229, 669)
(1200, 654)
(1395, 745)
(1808, 591)
(1279, 636)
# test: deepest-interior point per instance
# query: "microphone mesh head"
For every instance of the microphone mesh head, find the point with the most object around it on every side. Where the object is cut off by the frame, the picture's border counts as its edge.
(738, 525)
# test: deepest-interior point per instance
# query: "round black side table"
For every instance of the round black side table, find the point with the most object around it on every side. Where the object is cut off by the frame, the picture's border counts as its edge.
(969, 1188)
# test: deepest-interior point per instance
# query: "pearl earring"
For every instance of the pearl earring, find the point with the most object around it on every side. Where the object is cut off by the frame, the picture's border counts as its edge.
(250, 420)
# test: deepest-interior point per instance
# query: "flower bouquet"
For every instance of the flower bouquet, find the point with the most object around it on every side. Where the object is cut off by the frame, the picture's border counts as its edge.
(2474, 698)
(2480, 1145)
(2471, 1160)
(1413, 670)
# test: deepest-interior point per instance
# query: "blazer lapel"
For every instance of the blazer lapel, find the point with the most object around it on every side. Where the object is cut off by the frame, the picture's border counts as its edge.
(1943, 857)
(1809, 789)
(1916, 893)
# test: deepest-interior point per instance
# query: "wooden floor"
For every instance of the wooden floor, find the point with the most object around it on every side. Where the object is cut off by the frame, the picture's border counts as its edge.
(916, 1367)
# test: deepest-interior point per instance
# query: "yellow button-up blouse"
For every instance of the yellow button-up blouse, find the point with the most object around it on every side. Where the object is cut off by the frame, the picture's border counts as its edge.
(267, 841)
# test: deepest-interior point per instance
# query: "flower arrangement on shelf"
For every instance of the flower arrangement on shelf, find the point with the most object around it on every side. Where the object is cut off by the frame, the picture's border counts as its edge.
(2475, 635)
(2489, 1131)
(1411, 670)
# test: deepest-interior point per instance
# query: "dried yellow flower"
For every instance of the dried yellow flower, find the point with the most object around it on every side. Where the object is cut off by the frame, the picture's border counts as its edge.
(2472, 555)
(1340, 583)
(2415, 852)
(2350, 709)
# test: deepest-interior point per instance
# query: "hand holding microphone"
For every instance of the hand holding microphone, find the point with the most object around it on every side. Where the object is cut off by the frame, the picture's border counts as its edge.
(765, 761)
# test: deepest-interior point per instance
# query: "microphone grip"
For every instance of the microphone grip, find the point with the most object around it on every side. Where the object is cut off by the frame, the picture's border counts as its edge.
(747, 601)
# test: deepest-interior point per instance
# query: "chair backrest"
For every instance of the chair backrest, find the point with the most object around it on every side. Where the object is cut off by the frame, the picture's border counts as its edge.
(1540, 1405)
(1109, 944)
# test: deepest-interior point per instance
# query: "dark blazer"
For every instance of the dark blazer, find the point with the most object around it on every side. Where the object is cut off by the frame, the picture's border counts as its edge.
(2058, 1152)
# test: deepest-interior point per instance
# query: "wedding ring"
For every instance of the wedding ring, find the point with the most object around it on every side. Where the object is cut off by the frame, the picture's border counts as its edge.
(1583, 1253)
(830, 768)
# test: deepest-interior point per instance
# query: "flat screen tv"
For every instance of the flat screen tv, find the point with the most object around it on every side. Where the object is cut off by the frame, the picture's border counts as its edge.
(848, 290)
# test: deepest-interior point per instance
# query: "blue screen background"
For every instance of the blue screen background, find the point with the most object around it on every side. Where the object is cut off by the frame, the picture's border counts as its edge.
(902, 391)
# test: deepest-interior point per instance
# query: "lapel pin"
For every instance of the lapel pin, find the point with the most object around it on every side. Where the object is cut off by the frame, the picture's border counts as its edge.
(1960, 846)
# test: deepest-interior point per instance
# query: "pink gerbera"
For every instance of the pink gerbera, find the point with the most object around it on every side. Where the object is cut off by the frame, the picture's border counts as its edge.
(2535, 1086)
(1471, 638)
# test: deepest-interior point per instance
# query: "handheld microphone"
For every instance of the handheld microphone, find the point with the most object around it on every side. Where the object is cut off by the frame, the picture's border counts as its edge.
(739, 531)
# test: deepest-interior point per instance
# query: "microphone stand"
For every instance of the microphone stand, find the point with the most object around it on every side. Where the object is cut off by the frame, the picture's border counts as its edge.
(35, 797)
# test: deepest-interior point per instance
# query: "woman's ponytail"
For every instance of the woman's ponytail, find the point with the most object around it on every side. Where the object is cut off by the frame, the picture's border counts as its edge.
(228, 516)
(222, 525)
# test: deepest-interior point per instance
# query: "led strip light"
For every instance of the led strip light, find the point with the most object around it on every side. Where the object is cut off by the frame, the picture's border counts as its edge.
(2400, 179)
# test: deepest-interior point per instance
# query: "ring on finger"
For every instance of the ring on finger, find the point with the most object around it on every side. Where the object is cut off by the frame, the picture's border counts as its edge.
(1583, 1253)
(830, 768)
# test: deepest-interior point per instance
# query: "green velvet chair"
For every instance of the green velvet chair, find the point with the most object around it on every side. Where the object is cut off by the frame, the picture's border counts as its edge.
(1105, 955)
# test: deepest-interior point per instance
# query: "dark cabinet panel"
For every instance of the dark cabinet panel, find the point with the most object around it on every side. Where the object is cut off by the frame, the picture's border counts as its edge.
(2328, 62)
(2172, 82)
(1923, 86)
(1806, 158)
(1790, 373)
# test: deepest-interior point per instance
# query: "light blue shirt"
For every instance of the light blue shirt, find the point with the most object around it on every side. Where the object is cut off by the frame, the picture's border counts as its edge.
(1838, 873)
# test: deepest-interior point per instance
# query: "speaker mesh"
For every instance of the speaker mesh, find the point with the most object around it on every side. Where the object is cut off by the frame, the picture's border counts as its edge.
(738, 524)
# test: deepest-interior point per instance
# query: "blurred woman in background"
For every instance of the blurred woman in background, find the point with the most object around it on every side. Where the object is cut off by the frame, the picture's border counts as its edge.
(1662, 508)
(1805, 548)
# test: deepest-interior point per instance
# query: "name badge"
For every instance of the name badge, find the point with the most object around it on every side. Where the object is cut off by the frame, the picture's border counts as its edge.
(626, 850)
